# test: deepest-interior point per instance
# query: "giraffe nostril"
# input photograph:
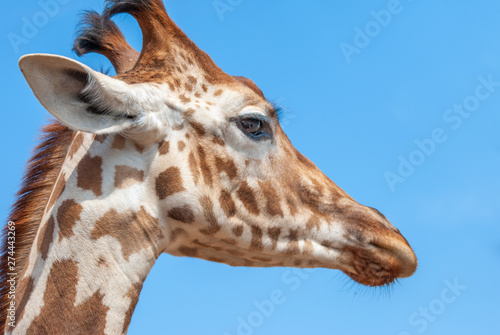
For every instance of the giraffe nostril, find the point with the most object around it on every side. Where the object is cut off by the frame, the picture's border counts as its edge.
(377, 212)
(383, 220)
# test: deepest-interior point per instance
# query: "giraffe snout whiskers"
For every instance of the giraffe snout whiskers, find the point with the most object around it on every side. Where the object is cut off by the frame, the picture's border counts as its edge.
(375, 253)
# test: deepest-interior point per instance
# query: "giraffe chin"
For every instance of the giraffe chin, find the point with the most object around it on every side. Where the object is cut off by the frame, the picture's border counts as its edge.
(372, 274)
(372, 282)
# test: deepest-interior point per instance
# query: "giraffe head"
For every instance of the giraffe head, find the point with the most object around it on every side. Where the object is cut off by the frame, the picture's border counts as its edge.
(222, 178)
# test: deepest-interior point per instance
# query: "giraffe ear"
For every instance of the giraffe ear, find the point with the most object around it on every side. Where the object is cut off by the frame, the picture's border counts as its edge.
(76, 95)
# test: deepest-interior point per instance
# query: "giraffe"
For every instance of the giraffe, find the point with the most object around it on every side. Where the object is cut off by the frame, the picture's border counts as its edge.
(171, 155)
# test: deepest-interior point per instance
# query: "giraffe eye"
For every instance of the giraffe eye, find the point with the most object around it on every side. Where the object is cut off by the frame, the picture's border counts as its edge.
(251, 126)
(254, 128)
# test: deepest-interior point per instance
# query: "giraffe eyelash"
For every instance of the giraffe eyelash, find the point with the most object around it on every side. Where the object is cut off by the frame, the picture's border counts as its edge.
(279, 111)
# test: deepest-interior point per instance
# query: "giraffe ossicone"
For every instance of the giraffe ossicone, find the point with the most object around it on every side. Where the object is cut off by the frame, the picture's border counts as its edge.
(171, 155)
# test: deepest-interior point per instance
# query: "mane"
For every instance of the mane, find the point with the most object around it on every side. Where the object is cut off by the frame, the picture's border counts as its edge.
(39, 178)
(97, 34)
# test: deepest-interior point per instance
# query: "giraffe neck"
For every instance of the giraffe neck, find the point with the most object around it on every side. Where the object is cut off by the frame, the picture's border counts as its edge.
(88, 261)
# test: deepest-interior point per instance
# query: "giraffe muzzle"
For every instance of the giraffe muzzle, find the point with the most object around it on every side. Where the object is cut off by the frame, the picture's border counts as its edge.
(375, 252)
(381, 261)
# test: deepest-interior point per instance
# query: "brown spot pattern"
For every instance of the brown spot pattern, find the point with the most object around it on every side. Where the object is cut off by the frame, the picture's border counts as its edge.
(227, 204)
(227, 166)
(310, 198)
(76, 145)
(183, 214)
(134, 230)
(164, 147)
(59, 304)
(184, 99)
(274, 234)
(219, 141)
(208, 212)
(247, 197)
(238, 230)
(256, 242)
(188, 87)
(292, 247)
(181, 145)
(205, 168)
(67, 216)
(273, 206)
(90, 174)
(169, 182)
(126, 176)
(46, 237)
(118, 142)
(198, 128)
(192, 80)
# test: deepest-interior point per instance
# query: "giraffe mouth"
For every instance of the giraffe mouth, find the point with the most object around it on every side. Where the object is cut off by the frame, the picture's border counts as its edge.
(381, 263)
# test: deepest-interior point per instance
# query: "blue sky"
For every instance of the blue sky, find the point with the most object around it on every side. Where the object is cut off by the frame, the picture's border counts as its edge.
(374, 100)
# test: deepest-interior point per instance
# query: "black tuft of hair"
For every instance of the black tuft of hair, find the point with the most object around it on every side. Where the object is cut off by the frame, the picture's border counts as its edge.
(92, 33)
(113, 7)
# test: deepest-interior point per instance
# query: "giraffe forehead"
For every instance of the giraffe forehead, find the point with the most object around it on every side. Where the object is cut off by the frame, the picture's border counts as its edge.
(162, 110)
(201, 96)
